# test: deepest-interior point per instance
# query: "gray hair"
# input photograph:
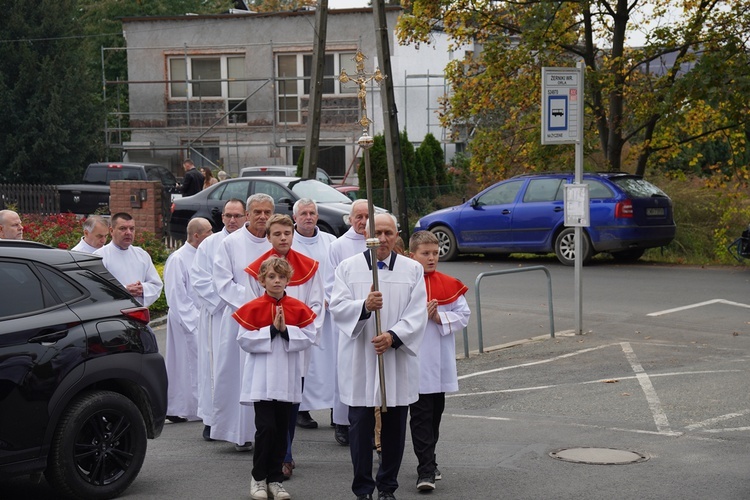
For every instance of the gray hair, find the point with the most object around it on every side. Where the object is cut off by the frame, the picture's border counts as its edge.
(355, 204)
(4, 214)
(303, 202)
(259, 198)
(91, 221)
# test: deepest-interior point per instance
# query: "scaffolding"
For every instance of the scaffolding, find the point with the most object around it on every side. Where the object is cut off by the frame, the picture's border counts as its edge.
(231, 133)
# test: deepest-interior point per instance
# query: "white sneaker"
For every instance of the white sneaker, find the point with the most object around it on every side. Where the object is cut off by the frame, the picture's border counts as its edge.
(278, 492)
(258, 489)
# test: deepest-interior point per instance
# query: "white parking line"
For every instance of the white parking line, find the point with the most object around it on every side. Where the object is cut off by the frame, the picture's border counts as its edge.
(699, 304)
(660, 418)
(540, 362)
(716, 420)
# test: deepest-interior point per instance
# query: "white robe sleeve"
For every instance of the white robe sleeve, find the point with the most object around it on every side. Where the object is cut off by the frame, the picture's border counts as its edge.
(344, 307)
(178, 297)
(413, 319)
(152, 284)
(202, 280)
(455, 317)
(259, 341)
(231, 291)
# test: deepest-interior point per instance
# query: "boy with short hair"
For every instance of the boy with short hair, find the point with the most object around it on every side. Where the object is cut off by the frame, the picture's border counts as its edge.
(447, 313)
(274, 329)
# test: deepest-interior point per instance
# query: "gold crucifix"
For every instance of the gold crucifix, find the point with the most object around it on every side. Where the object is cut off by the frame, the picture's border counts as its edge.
(362, 79)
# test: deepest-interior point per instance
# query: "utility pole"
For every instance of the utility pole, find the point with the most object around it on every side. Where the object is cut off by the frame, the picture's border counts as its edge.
(312, 140)
(390, 121)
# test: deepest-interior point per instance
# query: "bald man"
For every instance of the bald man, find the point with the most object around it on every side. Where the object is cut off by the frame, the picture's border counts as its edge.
(182, 326)
(10, 225)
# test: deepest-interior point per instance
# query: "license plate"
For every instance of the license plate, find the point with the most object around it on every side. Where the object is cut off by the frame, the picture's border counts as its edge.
(652, 212)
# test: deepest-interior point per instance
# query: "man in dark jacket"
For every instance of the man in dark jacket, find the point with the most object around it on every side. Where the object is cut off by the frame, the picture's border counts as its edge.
(193, 181)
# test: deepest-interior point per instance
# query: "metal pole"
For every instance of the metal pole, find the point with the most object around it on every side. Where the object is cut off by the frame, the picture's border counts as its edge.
(366, 142)
(578, 236)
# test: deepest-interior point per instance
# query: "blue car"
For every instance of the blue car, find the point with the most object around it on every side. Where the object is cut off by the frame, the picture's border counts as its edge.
(525, 214)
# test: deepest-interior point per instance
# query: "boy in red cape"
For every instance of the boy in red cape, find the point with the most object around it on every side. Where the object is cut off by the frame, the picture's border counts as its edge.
(306, 284)
(447, 313)
(274, 329)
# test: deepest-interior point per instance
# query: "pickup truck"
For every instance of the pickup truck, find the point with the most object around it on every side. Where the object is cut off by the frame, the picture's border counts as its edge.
(92, 195)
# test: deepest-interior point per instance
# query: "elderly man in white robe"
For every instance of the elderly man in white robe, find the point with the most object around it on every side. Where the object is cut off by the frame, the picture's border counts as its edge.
(349, 244)
(181, 356)
(95, 232)
(232, 421)
(211, 308)
(321, 371)
(401, 300)
(131, 265)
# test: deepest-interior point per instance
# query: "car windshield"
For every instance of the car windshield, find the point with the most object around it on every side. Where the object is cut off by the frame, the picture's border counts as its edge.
(637, 188)
(316, 190)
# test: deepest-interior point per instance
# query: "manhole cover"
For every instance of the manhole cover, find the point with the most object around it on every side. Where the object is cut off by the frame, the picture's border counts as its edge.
(598, 456)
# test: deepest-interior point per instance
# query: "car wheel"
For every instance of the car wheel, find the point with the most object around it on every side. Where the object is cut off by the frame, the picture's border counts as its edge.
(98, 447)
(628, 255)
(446, 243)
(565, 247)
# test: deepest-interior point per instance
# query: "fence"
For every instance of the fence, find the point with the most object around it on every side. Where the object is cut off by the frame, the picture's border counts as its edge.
(30, 198)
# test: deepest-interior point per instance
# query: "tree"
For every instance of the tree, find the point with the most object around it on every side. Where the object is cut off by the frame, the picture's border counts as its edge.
(51, 108)
(688, 83)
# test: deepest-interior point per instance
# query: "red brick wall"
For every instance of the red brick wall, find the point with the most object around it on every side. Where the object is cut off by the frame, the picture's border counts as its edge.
(148, 217)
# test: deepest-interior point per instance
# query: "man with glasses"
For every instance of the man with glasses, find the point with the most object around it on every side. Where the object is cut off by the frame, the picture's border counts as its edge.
(212, 308)
(234, 422)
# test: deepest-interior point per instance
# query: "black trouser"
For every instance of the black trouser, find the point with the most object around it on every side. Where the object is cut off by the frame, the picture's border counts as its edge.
(426, 414)
(392, 438)
(271, 422)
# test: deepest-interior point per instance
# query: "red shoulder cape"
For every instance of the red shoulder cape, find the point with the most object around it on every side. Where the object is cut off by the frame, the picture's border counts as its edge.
(260, 312)
(443, 288)
(304, 267)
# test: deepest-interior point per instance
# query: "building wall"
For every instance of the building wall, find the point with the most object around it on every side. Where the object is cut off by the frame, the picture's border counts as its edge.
(262, 139)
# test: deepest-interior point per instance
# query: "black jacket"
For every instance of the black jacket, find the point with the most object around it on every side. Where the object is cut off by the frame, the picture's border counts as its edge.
(192, 183)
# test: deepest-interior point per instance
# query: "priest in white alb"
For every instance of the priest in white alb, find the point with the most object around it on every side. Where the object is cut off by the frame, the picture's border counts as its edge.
(181, 353)
(211, 308)
(401, 300)
(131, 265)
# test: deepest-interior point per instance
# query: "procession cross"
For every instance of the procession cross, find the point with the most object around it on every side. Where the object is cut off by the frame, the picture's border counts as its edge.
(361, 78)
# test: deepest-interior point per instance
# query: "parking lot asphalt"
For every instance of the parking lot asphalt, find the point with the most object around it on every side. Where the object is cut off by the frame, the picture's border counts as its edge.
(671, 403)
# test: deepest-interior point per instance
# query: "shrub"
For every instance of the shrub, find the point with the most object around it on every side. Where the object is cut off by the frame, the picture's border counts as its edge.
(57, 230)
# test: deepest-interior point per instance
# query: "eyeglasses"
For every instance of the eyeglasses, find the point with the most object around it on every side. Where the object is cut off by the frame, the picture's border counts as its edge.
(233, 216)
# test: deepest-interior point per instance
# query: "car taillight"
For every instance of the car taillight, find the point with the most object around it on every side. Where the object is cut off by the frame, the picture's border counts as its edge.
(624, 209)
(140, 314)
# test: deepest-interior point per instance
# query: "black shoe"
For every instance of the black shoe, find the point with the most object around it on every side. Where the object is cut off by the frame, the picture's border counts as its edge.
(341, 434)
(207, 433)
(426, 483)
(176, 420)
(386, 495)
(305, 421)
(367, 496)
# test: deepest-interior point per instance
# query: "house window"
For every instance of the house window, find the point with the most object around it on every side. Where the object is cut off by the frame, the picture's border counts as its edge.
(222, 78)
(294, 72)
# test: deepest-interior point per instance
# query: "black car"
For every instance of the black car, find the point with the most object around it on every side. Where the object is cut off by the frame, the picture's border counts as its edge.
(82, 383)
(333, 207)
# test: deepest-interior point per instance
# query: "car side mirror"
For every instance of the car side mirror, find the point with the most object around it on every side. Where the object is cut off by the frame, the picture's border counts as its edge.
(474, 203)
(288, 201)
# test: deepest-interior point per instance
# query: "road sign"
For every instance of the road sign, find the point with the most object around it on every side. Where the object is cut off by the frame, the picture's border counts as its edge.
(562, 101)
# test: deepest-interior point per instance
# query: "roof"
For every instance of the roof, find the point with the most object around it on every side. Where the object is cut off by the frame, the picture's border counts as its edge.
(251, 15)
